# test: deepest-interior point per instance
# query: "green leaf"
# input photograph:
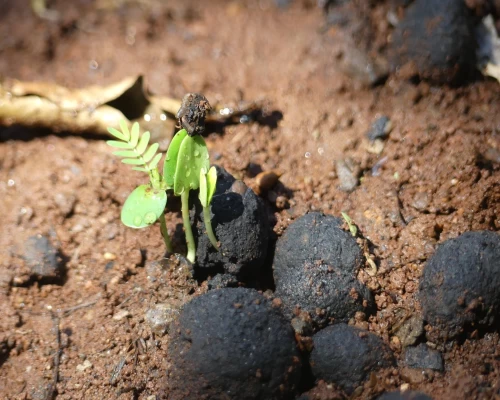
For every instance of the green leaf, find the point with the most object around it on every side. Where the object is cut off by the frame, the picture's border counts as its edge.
(143, 143)
(192, 157)
(125, 131)
(126, 153)
(203, 196)
(211, 184)
(154, 163)
(134, 134)
(150, 153)
(116, 143)
(143, 207)
(141, 169)
(133, 161)
(170, 163)
(117, 134)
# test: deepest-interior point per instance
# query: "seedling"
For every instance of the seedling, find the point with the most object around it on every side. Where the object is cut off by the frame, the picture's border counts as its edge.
(186, 167)
(352, 226)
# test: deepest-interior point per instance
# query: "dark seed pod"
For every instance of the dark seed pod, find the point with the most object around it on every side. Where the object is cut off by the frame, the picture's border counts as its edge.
(192, 113)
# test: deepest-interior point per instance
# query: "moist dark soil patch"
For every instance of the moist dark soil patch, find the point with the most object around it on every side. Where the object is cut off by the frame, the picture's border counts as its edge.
(437, 177)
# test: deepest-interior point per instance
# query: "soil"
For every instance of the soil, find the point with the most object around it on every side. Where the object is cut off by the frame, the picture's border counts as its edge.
(84, 336)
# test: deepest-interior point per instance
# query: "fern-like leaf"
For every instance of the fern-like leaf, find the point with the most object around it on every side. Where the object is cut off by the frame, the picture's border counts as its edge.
(117, 134)
(143, 143)
(134, 134)
(134, 147)
(133, 161)
(125, 131)
(117, 144)
(154, 163)
(126, 153)
(150, 153)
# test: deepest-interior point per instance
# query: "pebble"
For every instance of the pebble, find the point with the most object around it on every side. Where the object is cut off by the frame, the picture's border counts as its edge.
(348, 173)
(423, 357)
(380, 129)
(159, 318)
(121, 314)
(86, 365)
(42, 259)
(410, 330)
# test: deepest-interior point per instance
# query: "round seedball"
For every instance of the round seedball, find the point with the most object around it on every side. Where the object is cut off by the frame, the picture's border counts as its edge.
(460, 285)
(437, 37)
(240, 224)
(345, 355)
(314, 269)
(231, 343)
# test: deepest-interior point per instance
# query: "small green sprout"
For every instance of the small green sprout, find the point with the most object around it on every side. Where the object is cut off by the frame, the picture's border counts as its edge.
(352, 226)
(186, 167)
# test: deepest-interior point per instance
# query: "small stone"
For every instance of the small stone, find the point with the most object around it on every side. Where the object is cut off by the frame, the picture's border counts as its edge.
(423, 357)
(348, 173)
(65, 203)
(109, 256)
(86, 365)
(380, 129)
(410, 330)
(421, 201)
(42, 258)
(121, 314)
(160, 317)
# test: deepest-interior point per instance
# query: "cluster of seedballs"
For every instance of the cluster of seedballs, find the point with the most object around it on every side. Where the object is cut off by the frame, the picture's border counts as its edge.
(236, 343)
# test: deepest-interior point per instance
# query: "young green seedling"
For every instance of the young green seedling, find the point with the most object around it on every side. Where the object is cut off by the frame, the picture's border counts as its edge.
(146, 204)
(186, 167)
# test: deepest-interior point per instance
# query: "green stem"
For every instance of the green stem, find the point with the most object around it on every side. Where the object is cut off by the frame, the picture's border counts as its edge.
(191, 255)
(164, 233)
(208, 227)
